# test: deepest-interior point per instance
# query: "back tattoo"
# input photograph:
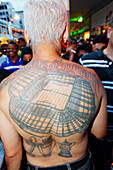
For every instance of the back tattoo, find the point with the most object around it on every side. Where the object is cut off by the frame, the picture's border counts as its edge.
(52, 98)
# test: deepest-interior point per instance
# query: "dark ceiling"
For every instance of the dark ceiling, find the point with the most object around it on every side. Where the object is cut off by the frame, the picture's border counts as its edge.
(86, 7)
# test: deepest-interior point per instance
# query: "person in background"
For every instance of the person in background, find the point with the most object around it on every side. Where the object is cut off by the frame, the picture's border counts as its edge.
(101, 62)
(26, 55)
(51, 103)
(74, 44)
(4, 56)
(81, 50)
(69, 54)
(70, 51)
(100, 41)
(21, 45)
(91, 39)
(81, 41)
(14, 62)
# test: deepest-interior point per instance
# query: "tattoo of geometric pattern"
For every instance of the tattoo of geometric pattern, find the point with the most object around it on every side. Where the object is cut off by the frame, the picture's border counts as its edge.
(48, 101)
(52, 98)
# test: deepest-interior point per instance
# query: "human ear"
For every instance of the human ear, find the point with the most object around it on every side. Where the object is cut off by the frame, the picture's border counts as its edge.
(26, 36)
(66, 34)
(109, 31)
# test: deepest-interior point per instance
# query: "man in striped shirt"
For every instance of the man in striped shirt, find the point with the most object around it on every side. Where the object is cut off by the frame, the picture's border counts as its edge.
(14, 62)
(101, 62)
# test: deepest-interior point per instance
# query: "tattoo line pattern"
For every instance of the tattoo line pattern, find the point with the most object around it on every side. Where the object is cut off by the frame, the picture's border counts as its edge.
(45, 148)
(47, 145)
(65, 149)
(48, 102)
(51, 98)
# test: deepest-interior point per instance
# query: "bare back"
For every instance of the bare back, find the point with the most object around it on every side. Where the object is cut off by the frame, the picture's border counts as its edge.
(52, 104)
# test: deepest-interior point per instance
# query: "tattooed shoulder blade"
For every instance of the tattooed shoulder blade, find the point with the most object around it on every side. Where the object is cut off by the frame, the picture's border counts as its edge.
(51, 102)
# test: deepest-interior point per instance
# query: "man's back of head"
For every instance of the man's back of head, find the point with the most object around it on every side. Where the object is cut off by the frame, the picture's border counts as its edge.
(45, 20)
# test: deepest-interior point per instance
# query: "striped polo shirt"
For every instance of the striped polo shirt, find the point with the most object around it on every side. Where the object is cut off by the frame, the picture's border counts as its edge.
(103, 66)
(10, 66)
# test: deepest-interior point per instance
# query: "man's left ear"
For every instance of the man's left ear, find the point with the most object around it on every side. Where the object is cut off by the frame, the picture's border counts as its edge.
(26, 36)
(109, 31)
(66, 34)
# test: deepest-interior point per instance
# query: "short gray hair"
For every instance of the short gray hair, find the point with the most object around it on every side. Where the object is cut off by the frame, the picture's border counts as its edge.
(45, 20)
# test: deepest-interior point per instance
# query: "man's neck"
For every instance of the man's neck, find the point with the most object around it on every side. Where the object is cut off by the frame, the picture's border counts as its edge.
(14, 59)
(109, 52)
(46, 51)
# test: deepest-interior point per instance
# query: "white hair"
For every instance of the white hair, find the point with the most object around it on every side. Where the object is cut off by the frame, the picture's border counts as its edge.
(45, 20)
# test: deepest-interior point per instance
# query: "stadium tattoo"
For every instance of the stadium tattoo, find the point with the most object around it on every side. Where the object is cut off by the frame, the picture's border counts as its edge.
(52, 98)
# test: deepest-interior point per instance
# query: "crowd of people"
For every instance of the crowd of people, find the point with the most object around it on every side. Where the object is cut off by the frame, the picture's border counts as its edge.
(79, 46)
(14, 56)
(56, 104)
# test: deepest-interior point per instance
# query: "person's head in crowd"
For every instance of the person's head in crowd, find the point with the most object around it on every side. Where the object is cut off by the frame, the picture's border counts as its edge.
(26, 55)
(91, 39)
(74, 43)
(38, 30)
(88, 40)
(81, 41)
(21, 43)
(81, 50)
(12, 51)
(4, 49)
(100, 41)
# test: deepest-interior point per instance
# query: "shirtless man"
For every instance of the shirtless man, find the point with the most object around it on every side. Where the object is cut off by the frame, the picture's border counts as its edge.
(51, 102)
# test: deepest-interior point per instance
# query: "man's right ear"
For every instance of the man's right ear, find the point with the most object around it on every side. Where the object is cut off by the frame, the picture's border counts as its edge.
(26, 36)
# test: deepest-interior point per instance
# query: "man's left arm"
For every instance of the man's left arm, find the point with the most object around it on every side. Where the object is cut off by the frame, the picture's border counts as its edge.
(12, 143)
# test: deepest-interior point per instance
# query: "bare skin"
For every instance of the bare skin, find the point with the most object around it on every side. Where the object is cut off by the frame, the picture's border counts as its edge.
(51, 103)
(109, 49)
(98, 46)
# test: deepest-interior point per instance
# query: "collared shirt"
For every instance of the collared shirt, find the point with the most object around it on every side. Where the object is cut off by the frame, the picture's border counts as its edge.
(10, 66)
(103, 66)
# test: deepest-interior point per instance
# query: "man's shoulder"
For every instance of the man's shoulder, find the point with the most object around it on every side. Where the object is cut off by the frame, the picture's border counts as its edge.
(4, 56)
(95, 54)
(19, 60)
(7, 81)
(92, 55)
(85, 73)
